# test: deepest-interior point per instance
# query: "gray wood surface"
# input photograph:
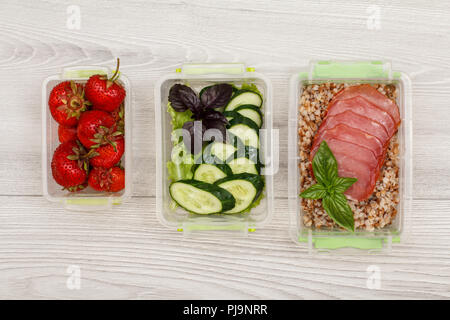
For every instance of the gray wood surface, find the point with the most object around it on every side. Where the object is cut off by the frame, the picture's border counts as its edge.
(126, 253)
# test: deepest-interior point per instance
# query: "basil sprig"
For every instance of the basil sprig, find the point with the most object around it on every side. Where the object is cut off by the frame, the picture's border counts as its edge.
(330, 188)
(183, 98)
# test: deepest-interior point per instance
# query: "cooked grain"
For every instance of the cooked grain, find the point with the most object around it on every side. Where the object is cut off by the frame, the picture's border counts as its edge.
(380, 209)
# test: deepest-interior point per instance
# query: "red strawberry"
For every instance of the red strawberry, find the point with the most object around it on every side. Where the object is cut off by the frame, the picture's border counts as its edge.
(67, 102)
(119, 116)
(111, 180)
(97, 128)
(108, 155)
(70, 166)
(105, 94)
(67, 133)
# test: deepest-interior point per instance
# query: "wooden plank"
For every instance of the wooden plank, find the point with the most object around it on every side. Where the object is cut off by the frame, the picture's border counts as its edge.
(126, 253)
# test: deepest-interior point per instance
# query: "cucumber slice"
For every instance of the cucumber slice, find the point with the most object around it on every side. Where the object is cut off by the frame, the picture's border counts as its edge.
(251, 112)
(200, 197)
(218, 152)
(210, 173)
(230, 115)
(244, 187)
(243, 165)
(244, 160)
(247, 152)
(246, 131)
(242, 97)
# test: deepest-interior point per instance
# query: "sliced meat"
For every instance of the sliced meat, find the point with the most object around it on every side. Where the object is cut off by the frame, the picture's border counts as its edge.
(352, 150)
(356, 121)
(345, 133)
(358, 162)
(372, 95)
(363, 107)
(367, 178)
(359, 124)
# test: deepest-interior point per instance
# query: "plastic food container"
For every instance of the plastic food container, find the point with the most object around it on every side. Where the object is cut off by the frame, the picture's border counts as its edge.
(87, 199)
(198, 76)
(378, 240)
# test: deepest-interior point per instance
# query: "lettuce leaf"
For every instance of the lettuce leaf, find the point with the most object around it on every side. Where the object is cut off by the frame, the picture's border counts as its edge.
(180, 166)
(251, 87)
(180, 171)
(178, 118)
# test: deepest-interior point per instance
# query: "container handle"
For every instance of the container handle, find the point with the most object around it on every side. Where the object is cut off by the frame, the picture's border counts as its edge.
(213, 68)
(199, 226)
(90, 204)
(82, 73)
(332, 243)
(346, 70)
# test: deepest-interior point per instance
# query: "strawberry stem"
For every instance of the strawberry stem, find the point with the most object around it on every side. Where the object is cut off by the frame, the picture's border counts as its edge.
(116, 73)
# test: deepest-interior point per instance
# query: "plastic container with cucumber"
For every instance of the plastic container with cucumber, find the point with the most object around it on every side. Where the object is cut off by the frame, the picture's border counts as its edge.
(193, 189)
(224, 176)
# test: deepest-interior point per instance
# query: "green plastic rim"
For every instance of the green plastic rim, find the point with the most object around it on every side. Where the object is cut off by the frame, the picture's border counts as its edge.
(364, 70)
(336, 243)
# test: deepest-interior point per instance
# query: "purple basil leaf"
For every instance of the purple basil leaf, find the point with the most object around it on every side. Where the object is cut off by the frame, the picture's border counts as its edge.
(182, 97)
(217, 96)
(215, 115)
(193, 136)
(212, 135)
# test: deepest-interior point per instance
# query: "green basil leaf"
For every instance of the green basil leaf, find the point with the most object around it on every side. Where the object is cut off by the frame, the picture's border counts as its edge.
(338, 209)
(341, 184)
(324, 165)
(316, 191)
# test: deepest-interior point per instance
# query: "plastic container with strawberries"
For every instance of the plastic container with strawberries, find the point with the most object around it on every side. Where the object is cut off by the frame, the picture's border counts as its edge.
(86, 138)
(363, 106)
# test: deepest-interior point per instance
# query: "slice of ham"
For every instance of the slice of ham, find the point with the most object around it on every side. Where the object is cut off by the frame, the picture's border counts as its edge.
(358, 126)
(372, 95)
(354, 151)
(345, 133)
(365, 108)
(367, 177)
(358, 162)
(356, 121)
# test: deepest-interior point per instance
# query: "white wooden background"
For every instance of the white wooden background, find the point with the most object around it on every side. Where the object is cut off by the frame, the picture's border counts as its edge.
(126, 253)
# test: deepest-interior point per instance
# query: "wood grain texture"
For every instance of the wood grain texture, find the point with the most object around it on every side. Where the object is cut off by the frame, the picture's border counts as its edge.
(126, 253)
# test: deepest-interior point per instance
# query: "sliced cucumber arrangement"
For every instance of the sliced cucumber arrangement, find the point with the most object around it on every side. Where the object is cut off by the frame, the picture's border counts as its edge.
(243, 97)
(251, 112)
(226, 175)
(210, 173)
(200, 197)
(246, 131)
(244, 161)
(218, 151)
(243, 165)
(244, 187)
(247, 111)
(233, 115)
